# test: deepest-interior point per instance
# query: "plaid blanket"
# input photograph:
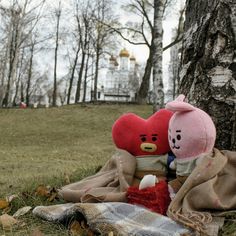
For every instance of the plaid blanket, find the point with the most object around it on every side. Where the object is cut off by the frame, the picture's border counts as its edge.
(120, 218)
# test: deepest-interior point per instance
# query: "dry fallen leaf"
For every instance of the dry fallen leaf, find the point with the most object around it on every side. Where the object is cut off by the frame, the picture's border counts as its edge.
(22, 211)
(4, 203)
(67, 178)
(42, 191)
(7, 221)
(52, 197)
(50, 193)
(80, 228)
(75, 229)
(11, 198)
(6, 210)
(36, 232)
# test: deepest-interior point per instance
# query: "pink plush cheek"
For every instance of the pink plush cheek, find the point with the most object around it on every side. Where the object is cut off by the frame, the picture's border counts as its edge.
(185, 136)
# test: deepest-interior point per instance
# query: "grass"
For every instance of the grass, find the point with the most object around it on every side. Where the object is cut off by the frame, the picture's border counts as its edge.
(41, 146)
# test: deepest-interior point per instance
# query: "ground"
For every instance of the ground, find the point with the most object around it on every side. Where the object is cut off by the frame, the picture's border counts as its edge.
(45, 146)
(48, 147)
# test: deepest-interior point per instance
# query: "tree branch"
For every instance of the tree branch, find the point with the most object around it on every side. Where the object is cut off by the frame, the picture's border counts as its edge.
(177, 40)
(179, 36)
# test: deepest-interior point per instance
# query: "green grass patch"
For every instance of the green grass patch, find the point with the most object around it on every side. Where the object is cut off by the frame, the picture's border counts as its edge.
(41, 146)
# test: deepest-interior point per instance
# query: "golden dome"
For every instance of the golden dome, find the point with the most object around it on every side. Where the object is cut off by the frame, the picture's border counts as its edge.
(124, 53)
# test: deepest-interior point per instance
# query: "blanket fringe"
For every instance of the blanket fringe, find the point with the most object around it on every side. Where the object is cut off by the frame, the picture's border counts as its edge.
(192, 219)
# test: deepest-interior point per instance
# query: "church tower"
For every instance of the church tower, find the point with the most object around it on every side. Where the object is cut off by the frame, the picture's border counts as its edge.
(132, 63)
(124, 59)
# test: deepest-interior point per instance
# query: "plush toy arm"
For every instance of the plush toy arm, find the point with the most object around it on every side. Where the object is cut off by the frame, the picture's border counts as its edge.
(171, 192)
(148, 181)
(171, 161)
(172, 165)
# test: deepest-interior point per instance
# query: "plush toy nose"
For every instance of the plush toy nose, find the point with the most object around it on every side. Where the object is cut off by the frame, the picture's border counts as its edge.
(148, 147)
(173, 140)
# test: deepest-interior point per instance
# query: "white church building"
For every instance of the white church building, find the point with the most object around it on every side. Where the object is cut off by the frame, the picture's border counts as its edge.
(121, 80)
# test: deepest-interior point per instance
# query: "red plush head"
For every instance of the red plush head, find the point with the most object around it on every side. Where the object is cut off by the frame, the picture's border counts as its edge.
(143, 137)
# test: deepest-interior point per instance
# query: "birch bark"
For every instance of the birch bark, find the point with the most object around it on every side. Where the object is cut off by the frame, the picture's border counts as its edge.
(208, 71)
(158, 93)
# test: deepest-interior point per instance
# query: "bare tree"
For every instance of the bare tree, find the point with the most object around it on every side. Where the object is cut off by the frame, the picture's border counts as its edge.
(21, 70)
(158, 92)
(142, 32)
(15, 34)
(104, 17)
(58, 17)
(20, 20)
(72, 76)
(30, 68)
(86, 74)
(84, 21)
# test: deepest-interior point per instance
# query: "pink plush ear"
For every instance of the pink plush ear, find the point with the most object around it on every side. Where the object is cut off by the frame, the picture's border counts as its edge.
(179, 105)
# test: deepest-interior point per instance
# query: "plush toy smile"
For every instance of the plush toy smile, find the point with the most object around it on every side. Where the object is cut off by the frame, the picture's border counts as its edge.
(142, 137)
(148, 147)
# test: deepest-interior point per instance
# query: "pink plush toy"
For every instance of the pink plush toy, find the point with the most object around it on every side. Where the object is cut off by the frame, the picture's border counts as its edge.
(192, 133)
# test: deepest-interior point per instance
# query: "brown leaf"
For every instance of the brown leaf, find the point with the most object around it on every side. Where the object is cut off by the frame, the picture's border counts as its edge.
(26, 194)
(52, 197)
(36, 232)
(6, 210)
(80, 228)
(4, 204)
(42, 191)
(7, 221)
(83, 225)
(67, 178)
(90, 233)
(76, 230)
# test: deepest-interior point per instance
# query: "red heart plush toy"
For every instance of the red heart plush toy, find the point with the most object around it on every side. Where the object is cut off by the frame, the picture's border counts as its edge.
(143, 137)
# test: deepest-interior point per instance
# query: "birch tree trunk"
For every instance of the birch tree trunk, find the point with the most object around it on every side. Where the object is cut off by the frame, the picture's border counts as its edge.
(73, 74)
(208, 71)
(15, 37)
(28, 85)
(96, 73)
(158, 92)
(85, 77)
(58, 16)
(144, 87)
(81, 71)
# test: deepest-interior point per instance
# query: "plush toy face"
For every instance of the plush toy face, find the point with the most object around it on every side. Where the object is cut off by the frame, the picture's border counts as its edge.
(191, 131)
(143, 137)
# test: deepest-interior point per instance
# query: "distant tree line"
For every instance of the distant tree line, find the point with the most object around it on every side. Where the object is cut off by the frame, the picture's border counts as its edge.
(32, 28)
(81, 35)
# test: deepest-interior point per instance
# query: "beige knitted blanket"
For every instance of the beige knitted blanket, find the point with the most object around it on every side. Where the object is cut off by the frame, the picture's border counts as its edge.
(208, 191)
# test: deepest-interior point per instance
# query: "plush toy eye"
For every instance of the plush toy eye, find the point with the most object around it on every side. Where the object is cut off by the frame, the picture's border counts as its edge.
(154, 138)
(178, 137)
(143, 139)
(169, 137)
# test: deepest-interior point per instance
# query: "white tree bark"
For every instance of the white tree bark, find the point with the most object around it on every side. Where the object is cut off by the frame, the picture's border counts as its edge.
(208, 73)
(158, 93)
